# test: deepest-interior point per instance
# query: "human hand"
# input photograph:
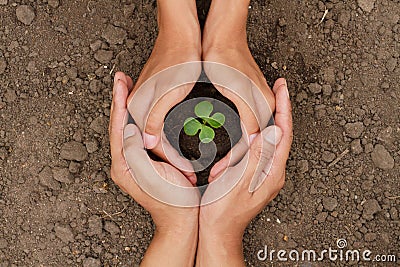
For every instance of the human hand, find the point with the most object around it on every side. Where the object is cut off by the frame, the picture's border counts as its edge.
(225, 42)
(149, 104)
(176, 227)
(178, 41)
(222, 222)
(241, 148)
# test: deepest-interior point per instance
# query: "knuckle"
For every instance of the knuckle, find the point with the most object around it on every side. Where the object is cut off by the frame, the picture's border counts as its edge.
(152, 126)
(258, 152)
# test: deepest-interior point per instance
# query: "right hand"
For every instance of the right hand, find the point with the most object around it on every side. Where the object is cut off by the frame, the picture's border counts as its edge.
(223, 221)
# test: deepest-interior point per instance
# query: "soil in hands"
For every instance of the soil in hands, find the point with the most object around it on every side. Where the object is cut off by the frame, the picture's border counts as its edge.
(189, 145)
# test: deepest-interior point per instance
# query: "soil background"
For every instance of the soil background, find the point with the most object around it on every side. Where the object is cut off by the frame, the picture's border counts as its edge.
(58, 205)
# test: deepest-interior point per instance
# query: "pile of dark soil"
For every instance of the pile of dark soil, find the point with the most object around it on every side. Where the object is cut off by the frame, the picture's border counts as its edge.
(189, 145)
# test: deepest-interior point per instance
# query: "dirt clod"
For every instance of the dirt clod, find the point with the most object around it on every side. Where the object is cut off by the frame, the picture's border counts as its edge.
(103, 56)
(25, 14)
(328, 156)
(330, 203)
(95, 226)
(91, 146)
(46, 179)
(356, 147)
(114, 35)
(382, 158)
(62, 175)
(315, 88)
(354, 130)
(366, 5)
(370, 208)
(111, 227)
(91, 262)
(64, 233)
(99, 125)
(10, 96)
(73, 151)
(53, 3)
(3, 65)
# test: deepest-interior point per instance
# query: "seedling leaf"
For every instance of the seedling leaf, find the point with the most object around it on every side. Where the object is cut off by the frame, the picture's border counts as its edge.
(217, 120)
(203, 109)
(191, 126)
(207, 134)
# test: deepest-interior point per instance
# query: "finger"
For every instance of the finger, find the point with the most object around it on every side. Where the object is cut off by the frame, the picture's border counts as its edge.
(169, 154)
(168, 172)
(283, 119)
(117, 116)
(129, 83)
(231, 159)
(155, 121)
(159, 180)
(243, 102)
(278, 83)
(132, 145)
(271, 136)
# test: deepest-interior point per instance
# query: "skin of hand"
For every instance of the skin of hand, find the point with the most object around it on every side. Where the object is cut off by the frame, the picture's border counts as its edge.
(175, 239)
(178, 41)
(225, 42)
(222, 223)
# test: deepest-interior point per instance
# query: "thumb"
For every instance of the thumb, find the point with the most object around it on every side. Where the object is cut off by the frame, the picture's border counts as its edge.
(132, 138)
(262, 154)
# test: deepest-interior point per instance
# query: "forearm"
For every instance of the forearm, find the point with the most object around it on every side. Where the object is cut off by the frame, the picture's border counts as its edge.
(177, 19)
(226, 24)
(172, 248)
(219, 250)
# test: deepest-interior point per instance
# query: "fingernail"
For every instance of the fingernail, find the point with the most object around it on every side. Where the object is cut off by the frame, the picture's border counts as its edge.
(129, 131)
(272, 135)
(150, 141)
(252, 137)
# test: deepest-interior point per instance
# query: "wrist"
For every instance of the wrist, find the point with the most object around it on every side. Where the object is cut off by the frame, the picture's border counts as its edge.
(172, 247)
(219, 248)
(179, 231)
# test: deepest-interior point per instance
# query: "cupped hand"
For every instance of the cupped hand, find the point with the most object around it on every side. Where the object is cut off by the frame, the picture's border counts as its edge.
(130, 164)
(242, 81)
(241, 148)
(223, 221)
(161, 85)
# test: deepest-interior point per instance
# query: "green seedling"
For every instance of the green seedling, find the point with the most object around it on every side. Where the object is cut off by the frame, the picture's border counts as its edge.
(204, 123)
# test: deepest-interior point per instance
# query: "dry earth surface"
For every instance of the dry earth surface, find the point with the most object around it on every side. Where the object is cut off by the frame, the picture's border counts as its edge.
(58, 205)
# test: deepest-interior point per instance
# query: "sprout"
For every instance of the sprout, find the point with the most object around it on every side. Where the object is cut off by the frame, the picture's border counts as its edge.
(204, 123)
